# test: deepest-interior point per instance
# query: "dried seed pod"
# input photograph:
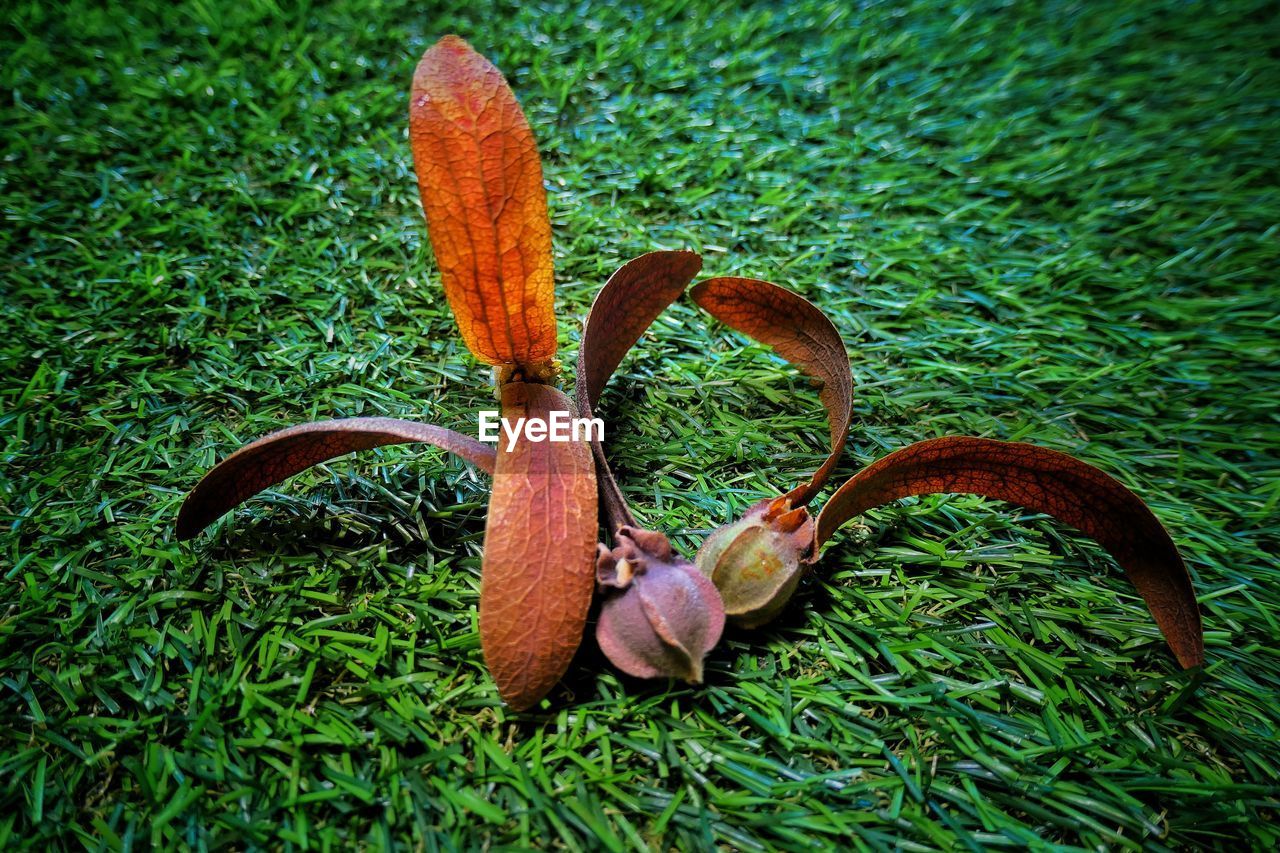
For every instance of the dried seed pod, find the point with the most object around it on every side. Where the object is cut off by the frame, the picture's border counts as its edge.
(660, 616)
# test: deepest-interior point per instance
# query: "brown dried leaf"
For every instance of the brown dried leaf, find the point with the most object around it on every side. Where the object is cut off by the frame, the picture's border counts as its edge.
(1044, 481)
(799, 332)
(539, 553)
(280, 455)
(625, 307)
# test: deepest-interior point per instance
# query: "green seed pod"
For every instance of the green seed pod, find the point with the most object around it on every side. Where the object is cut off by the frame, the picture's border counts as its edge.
(756, 562)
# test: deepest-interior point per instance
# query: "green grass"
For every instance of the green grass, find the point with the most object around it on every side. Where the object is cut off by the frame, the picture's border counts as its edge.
(1053, 224)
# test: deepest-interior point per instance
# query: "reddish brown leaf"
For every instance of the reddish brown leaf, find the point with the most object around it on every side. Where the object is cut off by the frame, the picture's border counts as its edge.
(625, 307)
(539, 553)
(280, 455)
(1044, 481)
(799, 332)
(481, 183)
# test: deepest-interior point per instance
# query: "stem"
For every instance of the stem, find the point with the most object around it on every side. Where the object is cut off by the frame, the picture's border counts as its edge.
(616, 512)
(802, 494)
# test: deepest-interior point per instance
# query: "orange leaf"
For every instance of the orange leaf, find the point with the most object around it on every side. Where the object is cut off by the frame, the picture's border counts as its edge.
(539, 553)
(280, 455)
(481, 183)
(629, 302)
(799, 332)
(1044, 481)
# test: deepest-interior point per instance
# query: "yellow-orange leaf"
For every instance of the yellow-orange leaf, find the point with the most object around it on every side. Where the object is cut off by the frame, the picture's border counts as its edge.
(481, 183)
(539, 552)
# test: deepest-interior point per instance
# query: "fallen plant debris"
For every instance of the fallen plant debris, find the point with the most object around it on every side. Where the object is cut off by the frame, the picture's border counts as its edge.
(755, 560)
(480, 179)
(659, 616)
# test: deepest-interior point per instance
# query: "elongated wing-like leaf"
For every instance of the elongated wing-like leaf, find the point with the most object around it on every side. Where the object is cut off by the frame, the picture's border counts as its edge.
(481, 183)
(1044, 481)
(803, 335)
(539, 552)
(625, 307)
(280, 455)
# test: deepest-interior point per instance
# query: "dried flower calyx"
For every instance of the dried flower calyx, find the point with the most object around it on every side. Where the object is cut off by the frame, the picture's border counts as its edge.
(660, 616)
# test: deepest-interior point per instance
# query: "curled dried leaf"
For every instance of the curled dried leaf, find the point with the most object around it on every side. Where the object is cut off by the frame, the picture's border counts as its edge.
(803, 335)
(480, 178)
(278, 456)
(660, 616)
(539, 553)
(625, 307)
(1050, 482)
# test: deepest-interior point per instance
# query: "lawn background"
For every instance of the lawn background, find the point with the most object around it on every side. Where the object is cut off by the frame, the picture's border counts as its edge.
(1047, 222)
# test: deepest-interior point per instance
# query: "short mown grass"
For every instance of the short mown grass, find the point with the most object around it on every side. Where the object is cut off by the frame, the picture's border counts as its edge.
(1055, 223)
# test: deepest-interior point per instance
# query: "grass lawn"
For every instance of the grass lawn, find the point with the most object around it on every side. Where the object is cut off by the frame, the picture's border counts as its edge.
(1048, 223)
